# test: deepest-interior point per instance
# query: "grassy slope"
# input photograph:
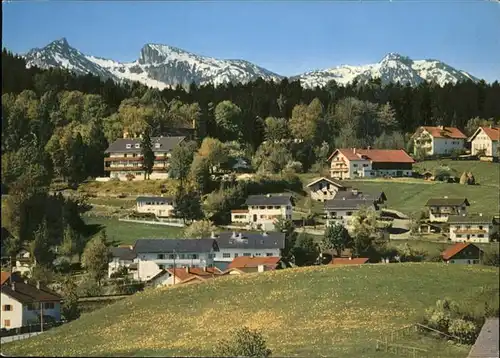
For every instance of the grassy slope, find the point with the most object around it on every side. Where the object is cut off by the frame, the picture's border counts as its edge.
(314, 311)
(120, 232)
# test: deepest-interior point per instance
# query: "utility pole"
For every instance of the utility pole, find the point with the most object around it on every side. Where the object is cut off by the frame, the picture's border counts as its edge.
(174, 266)
(41, 316)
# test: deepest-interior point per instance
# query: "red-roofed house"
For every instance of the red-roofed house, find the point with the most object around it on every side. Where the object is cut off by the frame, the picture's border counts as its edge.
(254, 264)
(349, 261)
(485, 139)
(183, 275)
(462, 253)
(359, 163)
(438, 140)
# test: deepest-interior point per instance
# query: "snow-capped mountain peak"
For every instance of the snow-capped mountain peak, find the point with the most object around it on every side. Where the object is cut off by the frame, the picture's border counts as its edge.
(163, 66)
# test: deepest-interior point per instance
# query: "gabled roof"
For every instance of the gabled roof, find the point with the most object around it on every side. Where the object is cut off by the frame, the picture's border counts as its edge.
(344, 204)
(470, 219)
(166, 144)
(447, 202)
(161, 199)
(333, 182)
(352, 195)
(493, 133)
(26, 293)
(5, 276)
(248, 261)
(445, 132)
(251, 240)
(123, 253)
(185, 273)
(455, 249)
(269, 199)
(375, 155)
(179, 245)
(349, 261)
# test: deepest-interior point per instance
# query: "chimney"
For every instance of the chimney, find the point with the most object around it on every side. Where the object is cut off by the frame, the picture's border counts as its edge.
(260, 268)
(234, 235)
(194, 124)
(441, 127)
(204, 268)
(350, 257)
(38, 285)
(212, 235)
(354, 150)
(187, 269)
(354, 191)
(343, 198)
(268, 195)
(480, 214)
(264, 233)
(369, 147)
(13, 285)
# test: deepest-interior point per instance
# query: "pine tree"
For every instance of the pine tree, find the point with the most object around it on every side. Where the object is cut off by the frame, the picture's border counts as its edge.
(148, 156)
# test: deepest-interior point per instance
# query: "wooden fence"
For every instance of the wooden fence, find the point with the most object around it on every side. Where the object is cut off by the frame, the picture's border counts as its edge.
(166, 222)
(386, 343)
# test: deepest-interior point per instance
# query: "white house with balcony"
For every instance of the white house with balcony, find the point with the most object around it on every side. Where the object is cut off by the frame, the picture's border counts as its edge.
(23, 304)
(155, 255)
(161, 207)
(124, 157)
(324, 189)
(485, 141)
(438, 140)
(123, 256)
(249, 244)
(263, 211)
(351, 163)
(472, 228)
(341, 210)
(441, 208)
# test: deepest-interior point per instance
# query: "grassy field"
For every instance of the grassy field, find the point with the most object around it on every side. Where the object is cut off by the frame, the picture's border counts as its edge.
(314, 311)
(120, 232)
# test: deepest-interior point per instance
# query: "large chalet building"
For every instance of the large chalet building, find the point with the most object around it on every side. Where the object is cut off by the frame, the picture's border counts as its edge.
(438, 140)
(485, 141)
(353, 163)
(124, 157)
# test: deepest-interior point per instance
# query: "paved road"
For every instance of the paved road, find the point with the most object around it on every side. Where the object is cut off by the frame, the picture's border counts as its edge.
(18, 337)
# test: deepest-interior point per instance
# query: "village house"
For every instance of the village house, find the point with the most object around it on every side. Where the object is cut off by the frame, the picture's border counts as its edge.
(438, 140)
(441, 208)
(184, 275)
(471, 228)
(263, 211)
(235, 244)
(122, 256)
(124, 157)
(154, 255)
(160, 206)
(462, 253)
(370, 163)
(245, 264)
(341, 211)
(324, 189)
(23, 304)
(485, 141)
(378, 197)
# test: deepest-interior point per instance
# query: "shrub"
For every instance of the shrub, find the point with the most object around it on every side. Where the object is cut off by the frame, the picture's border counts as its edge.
(465, 330)
(294, 167)
(244, 343)
(491, 258)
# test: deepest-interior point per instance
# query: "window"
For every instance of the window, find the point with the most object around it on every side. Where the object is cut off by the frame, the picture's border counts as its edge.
(480, 235)
(365, 165)
(269, 254)
(226, 255)
(157, 145)
(6, 323)
(459, 236)
(195, 256)
(333, 213)
(247, 254)
(236, 255)
(480, 227)
(48, 305)
(181, 256)
(355, 165)
(160, 256)
(171, 256)
(7, 308)
(349, 213)
(128, 146)
(269, 207)
(137, 145)
(277, 207)
(262, 207)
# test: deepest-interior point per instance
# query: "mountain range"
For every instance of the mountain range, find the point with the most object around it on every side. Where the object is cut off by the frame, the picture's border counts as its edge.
(162, 66)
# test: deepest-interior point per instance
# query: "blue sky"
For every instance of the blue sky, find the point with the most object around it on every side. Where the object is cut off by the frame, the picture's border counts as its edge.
(284, 37)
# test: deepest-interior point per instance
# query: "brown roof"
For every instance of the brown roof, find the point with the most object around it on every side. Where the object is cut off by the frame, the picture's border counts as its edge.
(445, 132)
(184, 274)
(248, 261)
(349, 261)
(455, 249)
(26, 293)
(239, 211)
(4, 277)
(376, 155)
(336, 183)
(447, 202)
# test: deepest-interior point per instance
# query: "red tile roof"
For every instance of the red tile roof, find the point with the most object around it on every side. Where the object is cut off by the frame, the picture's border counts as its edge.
(455, 249)
(493, 133)
(184, 274)
(248, 261)
(4, 276)
(445, 132)
(348, 261)
(376, 155)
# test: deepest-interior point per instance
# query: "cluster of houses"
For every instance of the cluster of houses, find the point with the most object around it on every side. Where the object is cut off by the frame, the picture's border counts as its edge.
(123, 159)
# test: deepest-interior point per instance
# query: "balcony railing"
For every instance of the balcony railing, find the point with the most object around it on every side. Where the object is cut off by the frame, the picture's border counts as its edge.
(133, 159)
